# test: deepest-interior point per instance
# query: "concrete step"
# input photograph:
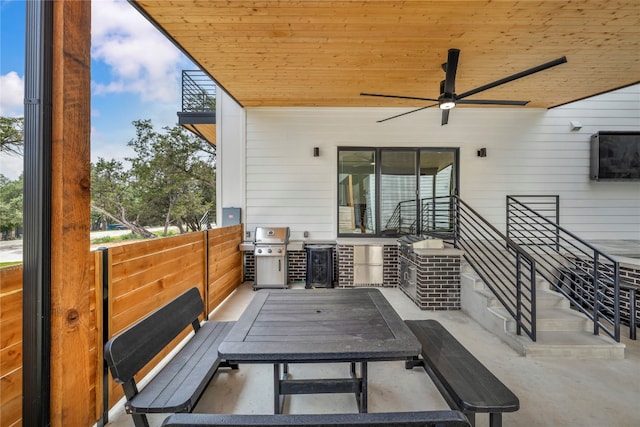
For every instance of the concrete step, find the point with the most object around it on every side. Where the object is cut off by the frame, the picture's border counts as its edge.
(550, 319)
(571, 345)
(561, 332)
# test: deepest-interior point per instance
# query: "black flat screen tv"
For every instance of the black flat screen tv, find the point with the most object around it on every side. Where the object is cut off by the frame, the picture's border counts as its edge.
(615, 156)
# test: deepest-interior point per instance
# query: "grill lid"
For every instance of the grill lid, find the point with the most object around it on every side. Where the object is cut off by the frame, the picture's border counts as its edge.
(272, 235)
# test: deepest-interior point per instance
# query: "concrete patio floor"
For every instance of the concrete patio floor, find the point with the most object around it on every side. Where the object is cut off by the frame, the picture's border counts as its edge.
(552, 392)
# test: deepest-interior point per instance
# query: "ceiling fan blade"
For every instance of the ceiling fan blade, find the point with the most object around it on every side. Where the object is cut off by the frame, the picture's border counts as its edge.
(451, 69)
(445, 117)
(513, 77)
(408, 112)
(397, 96)
(490, 102)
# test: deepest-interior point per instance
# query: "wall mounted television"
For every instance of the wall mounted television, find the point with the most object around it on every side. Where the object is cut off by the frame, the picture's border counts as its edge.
(615, 156)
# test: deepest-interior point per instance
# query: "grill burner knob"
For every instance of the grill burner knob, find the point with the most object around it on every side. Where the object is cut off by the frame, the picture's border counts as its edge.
(279, 250)
(269, 250)
(259, 251)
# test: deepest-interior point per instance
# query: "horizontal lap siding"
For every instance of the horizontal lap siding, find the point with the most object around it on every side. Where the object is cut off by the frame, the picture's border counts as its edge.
(548, 158)
(529, 151)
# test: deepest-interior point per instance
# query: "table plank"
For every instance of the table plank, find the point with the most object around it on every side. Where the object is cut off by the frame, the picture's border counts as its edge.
(319, 325)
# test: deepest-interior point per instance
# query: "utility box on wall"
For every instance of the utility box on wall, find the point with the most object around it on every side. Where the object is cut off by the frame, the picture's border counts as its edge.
(230, 216)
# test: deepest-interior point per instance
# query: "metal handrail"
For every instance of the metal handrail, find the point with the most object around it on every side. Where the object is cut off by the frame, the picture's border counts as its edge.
(505, 268)
(198, 92)
(586, 276)
(398, 219)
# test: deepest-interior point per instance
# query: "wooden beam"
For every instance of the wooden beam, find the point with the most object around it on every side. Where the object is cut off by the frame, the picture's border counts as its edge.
(72, 364)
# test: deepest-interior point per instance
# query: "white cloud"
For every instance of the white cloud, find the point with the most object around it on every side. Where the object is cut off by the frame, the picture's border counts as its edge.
(11, 95)
(11, 166)
(141, 59)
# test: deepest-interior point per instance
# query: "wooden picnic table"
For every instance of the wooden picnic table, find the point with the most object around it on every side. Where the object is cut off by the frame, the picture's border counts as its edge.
(319, 326)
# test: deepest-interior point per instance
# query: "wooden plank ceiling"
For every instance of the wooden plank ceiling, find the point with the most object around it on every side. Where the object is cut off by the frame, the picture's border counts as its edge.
(324, 53)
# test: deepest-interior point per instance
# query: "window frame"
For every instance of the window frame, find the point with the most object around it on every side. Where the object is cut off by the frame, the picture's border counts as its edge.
(378, 173)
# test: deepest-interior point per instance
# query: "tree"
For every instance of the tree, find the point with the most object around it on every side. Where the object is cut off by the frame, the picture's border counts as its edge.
(11, 135)
(113, 194)
(171, 181)
(175, 171)
(11, 199)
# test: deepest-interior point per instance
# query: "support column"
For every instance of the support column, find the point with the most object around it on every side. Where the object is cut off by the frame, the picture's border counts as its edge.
(73, 368)
(58, 368)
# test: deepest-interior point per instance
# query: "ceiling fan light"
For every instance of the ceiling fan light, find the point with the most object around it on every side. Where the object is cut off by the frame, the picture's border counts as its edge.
(447, 105)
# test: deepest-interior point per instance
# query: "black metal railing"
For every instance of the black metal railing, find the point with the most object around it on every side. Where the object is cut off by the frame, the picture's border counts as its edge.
(403, 218)
(548, 206)
(504, 267)
(585, 275)
(198, 92)
(437, 216)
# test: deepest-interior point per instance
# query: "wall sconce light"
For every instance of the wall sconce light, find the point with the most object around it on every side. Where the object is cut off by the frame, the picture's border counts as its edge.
(316, 151)
(575, 125)
(482, 152)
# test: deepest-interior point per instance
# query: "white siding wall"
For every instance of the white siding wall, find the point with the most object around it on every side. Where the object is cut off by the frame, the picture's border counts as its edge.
(529, 151)
(230, 152)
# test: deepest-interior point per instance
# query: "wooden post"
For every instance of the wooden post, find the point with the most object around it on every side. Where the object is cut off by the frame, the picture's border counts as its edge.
(72, 366)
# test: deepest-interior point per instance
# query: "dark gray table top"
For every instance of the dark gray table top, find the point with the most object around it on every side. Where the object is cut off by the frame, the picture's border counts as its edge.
(327, 325)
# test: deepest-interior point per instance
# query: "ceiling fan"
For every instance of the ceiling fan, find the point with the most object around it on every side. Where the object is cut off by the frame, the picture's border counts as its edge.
(448, 97)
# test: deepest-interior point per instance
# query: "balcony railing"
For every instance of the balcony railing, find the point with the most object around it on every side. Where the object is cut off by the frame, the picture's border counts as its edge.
(198, 92)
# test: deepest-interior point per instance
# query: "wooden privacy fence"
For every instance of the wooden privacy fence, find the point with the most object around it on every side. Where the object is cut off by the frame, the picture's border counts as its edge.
(126, 283)
(10, 345)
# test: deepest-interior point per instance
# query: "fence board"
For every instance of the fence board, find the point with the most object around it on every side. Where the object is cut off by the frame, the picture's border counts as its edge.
(11, 345)
(144, 276)
(11, 398)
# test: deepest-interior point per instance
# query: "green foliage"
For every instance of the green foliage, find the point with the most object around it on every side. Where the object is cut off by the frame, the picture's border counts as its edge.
(11, 135)
(171, 181)
(11, 200)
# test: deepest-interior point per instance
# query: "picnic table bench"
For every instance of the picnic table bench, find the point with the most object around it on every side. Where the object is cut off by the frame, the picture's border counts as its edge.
(464, 382)
(388, 419)
(179, 384)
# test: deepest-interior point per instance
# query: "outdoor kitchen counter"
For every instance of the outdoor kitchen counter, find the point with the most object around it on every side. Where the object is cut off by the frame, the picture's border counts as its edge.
(367, 241)
(293, 245)
(437, 251)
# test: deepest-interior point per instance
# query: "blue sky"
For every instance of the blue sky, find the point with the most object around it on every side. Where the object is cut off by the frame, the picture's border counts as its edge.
(135, 74)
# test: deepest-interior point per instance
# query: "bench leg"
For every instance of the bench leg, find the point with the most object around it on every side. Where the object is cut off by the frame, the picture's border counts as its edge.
(495, 419)
(226, 364)
(413, 362)
(471, 416)
(140, 420)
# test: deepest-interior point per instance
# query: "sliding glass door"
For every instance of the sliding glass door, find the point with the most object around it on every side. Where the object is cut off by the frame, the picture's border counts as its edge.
(437, 183)
(395, 191)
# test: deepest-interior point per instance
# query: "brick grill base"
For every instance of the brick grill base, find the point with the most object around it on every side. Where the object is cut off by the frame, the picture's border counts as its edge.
(437, 282)
(438, 277)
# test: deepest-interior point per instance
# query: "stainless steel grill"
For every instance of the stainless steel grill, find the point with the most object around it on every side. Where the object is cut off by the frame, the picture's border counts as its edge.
(271, 257)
